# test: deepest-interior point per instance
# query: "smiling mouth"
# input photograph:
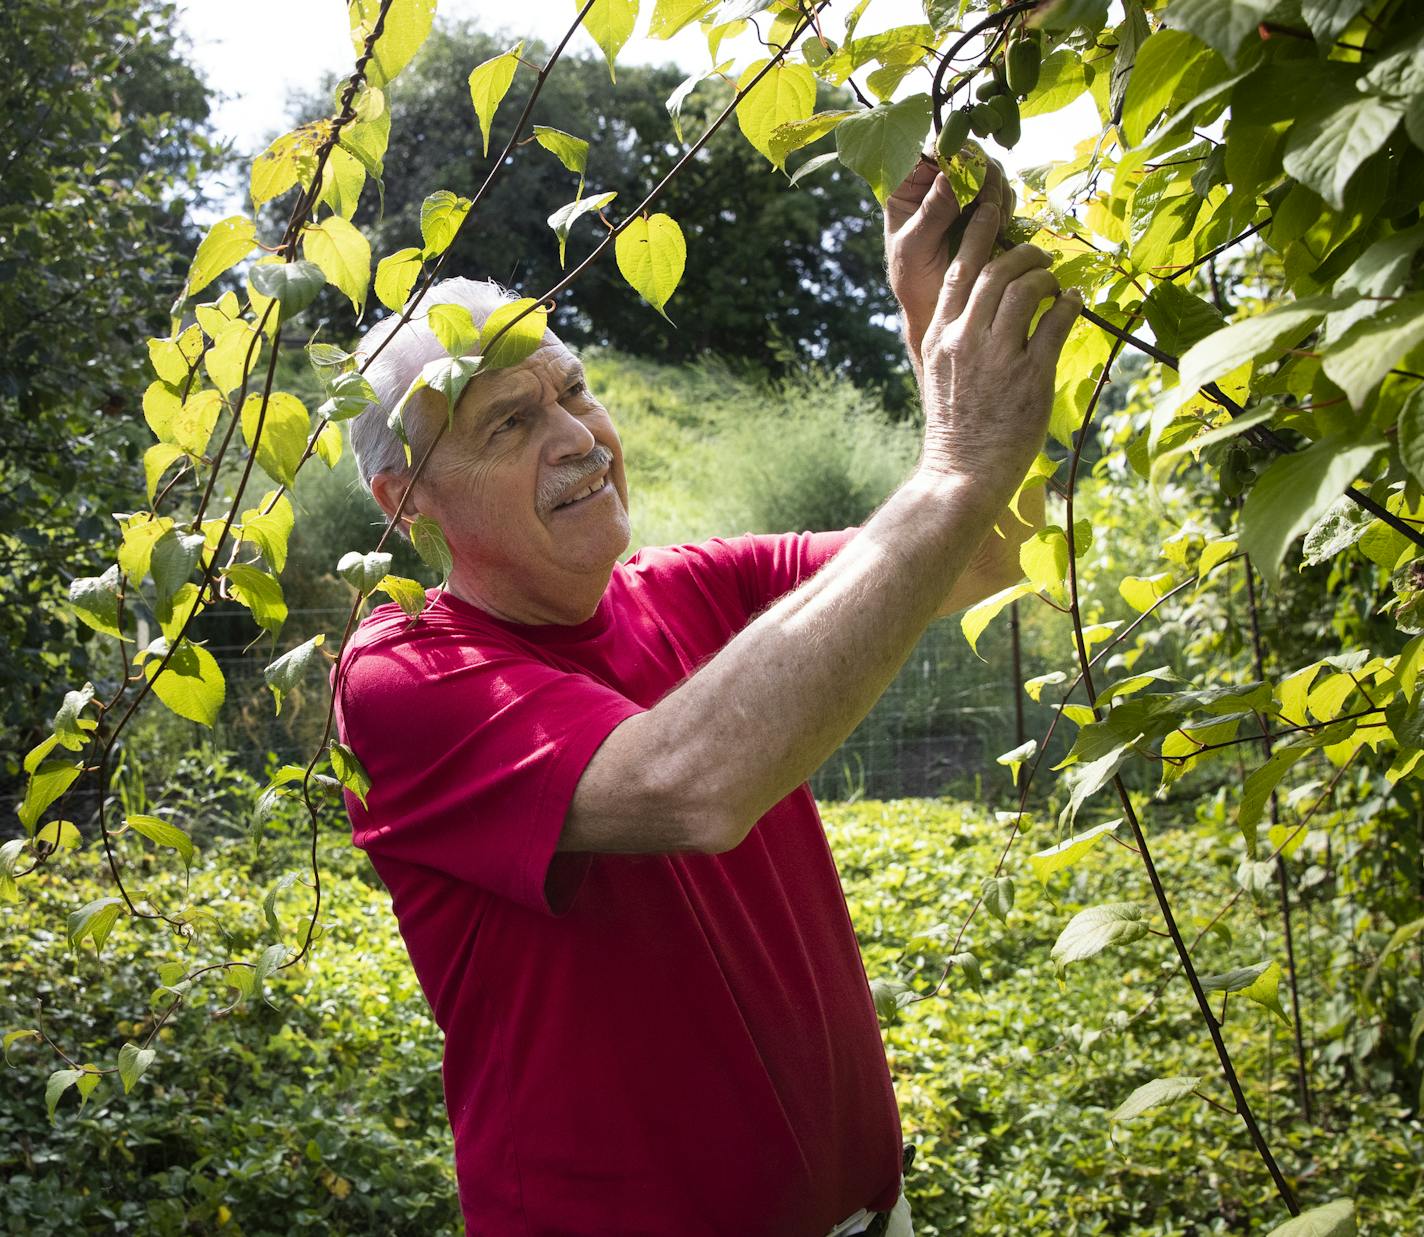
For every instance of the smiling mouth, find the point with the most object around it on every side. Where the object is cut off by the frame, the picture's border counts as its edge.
(591, 490)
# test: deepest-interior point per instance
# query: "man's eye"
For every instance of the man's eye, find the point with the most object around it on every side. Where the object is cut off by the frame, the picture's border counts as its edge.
(508, 423)
(579, 389)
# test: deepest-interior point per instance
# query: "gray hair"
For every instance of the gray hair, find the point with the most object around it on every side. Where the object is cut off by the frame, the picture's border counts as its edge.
(406, 352)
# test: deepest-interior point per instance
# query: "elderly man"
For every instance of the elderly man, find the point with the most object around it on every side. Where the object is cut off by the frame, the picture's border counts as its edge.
(589, 798)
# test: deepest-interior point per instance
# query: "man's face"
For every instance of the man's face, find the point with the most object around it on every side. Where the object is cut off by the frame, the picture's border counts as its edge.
(509, 482)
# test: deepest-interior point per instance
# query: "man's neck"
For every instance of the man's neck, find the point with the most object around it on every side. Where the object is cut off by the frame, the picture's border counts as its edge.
(575, 600)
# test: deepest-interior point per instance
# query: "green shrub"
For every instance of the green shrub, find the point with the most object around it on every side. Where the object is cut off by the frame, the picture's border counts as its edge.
(322, 1111)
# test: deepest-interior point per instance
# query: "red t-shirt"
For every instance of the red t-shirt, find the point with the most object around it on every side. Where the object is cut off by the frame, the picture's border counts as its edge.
(635, 1046)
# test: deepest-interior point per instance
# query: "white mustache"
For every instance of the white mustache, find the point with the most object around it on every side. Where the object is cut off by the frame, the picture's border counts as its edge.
(568, 476)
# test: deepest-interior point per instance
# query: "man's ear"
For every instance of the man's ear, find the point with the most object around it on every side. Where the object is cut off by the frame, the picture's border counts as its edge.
(388, 488)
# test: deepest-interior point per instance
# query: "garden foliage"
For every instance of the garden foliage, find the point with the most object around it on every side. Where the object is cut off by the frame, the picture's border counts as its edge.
(1248, 218)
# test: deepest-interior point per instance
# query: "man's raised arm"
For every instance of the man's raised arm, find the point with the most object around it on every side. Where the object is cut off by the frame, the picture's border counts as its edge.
(699, 769)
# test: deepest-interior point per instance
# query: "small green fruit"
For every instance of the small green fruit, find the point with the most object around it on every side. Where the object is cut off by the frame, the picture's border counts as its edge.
(987, 90)
(951, 138)
(1010, 127)
(1024, 60)
(985, 118)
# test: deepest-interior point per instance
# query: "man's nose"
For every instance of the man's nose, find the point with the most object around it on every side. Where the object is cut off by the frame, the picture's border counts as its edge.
(569, 437)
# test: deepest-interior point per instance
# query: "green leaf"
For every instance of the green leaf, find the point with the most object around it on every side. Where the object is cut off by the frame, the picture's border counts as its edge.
(1360, 358)
(96, 921)
(890, 996)
(350, 772)
(428, 540)
(268, 526)
(272, 959)
(798, 133)
(651, 255)
(1177, 317)
(174, 556)
(133, 1062)
(1153, 1095)
(1411, 435)
(1234, 980)
(1222, 24)
(141, 532)
(610, 22)
(60, 835)
(997, 894)
(396, 274)
(489, 83)
(364, 571)
(1142, 592)
(285, 427)
(969, 964)
(348, 395)
(883, 143)
(1056, 858)
(48, 780)
(1091, 931)
(406, 26)
(1044, 559)
(294, 285)
(59, 1082)
(1335, 1219)
(344, 255)
(975, 619)
(191, 685)
(1294, 492)
(406, 593)
(269, 903)
(286, 672)
(13, 1036)
(161, 833)
(520, 327)
(1015, 759)
(440, 218)
(571, 151)
(786, 94)
(156, 461)
(1060, 81)
(1162, 63)
(228, 241)
(259, 592)
(670, 16)
(95, 600)
(1327, 19)
(1264, 991)
(454, 327)
(1326, 149)
(563, 219)
(1260, 782)
(1089, 15)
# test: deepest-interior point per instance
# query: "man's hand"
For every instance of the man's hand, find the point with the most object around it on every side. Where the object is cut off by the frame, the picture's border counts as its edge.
(986, 384)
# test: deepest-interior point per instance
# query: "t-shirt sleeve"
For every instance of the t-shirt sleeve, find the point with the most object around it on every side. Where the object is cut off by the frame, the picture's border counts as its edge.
(766, 566)
(474, 754)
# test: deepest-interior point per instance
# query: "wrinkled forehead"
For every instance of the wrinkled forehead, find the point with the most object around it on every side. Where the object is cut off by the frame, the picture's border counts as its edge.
(550, 366)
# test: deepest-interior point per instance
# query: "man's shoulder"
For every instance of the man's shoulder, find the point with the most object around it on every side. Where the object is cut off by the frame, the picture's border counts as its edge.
(396, 647)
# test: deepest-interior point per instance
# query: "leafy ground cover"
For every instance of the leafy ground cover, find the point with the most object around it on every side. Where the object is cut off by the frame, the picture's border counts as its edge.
(321, 1111)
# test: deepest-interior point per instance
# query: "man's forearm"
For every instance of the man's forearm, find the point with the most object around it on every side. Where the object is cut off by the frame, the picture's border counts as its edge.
(769, 709)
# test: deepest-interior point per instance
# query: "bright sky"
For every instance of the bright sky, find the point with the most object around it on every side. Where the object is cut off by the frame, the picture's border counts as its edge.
(255, 54)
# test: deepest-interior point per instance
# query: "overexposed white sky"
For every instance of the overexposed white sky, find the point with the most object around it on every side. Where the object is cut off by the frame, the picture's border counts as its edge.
(254, 54)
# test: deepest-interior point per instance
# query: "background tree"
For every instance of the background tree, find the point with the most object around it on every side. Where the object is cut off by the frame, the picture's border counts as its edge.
(816, 253)
(103, 140)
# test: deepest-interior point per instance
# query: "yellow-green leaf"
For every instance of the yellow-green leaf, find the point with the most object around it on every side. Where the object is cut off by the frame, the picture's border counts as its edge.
(489, 83)
(228, 241)
(975, 619)
(441, 215)
(343, 254)
(651, 255)
(520, 340)
(284, 429)
(192, 683)
(610, 22)
(1046, 862)
(396, 274)
(786, 94)
(406, 26)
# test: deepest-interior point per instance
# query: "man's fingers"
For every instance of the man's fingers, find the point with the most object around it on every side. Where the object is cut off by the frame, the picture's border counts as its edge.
(974, 250)
(989, 289)
(901, 205)
(1052, 329)
(924, 231)
(1021, 300)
